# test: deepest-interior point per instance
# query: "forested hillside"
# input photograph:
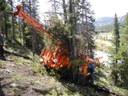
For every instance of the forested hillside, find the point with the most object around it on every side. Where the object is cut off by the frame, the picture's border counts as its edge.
(104, 24)
(52, 58)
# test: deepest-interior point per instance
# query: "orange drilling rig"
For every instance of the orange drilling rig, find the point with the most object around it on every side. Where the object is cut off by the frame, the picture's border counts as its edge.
(57, 57)
(53, 58)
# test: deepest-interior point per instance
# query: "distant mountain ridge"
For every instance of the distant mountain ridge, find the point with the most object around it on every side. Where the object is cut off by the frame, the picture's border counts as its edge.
(106, 23)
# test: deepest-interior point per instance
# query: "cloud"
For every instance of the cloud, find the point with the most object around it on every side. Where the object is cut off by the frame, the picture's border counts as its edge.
(103, 8)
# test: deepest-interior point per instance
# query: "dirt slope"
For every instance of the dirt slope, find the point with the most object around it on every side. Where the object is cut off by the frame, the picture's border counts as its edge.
(18, 79)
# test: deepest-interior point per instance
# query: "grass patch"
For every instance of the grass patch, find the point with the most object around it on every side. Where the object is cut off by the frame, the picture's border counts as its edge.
(15, 90)
(121, 90)
(16, 77)
(38, 68)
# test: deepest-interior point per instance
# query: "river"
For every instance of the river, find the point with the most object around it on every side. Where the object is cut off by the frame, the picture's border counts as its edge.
(105, 57)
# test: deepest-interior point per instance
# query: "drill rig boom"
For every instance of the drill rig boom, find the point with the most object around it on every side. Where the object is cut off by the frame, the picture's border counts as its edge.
(51, 57)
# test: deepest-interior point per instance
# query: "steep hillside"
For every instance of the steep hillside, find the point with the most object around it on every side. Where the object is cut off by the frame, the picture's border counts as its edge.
(27, 77)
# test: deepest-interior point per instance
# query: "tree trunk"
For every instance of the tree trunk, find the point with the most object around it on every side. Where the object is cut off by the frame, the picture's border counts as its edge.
(33, 41)
(13, 31)
(71, 28)
(65, 12)
(6, 29)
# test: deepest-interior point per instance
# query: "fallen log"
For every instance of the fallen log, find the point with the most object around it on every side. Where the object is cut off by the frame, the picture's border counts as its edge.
(17, 54)
(105, 89)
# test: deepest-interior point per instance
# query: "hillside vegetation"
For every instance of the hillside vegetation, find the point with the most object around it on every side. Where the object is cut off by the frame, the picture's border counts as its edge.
(20, 76)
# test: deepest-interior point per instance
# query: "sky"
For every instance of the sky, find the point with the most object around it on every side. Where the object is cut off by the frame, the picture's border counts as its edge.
(101, 8)
(108, 8)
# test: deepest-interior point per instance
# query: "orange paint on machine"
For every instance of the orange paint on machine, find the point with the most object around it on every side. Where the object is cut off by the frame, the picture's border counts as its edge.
(59, 55)
(83, 68)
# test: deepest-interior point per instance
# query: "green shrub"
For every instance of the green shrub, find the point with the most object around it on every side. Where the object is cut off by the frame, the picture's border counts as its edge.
(38, 68)
(76, 63)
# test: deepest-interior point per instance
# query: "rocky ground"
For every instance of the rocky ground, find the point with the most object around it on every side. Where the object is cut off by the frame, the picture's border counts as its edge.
(18, 79)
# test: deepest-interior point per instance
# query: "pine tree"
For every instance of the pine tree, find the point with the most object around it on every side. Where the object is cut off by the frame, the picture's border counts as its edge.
(4, 17)
(13, 18)
(123, 53)
(77, 22)
(116, 34)
(33, 11)
(86, 26)
(115, 49)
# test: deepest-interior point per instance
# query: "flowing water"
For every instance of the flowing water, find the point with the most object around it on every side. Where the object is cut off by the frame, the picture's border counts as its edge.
(104, 57)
